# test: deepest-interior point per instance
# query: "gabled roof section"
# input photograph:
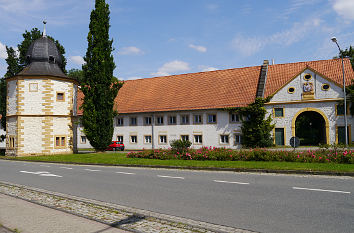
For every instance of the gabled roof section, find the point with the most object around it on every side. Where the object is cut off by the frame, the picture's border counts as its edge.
(281, 74)
(216, 89)
(204, 90)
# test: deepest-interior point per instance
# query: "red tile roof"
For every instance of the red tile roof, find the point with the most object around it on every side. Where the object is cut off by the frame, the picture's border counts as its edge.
(216, 89)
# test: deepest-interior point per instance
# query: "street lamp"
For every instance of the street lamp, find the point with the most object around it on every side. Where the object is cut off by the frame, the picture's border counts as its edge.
(334, 39)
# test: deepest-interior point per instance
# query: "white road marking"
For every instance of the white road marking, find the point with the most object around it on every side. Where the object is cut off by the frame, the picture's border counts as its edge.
(171, 177)
(41, 173)
(126, 173)
(229, 182)
(92, 170)
(67, 168)
(44, 165)
(322, 190)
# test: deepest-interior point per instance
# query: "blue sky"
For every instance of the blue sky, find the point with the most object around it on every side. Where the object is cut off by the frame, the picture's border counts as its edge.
(163, 37)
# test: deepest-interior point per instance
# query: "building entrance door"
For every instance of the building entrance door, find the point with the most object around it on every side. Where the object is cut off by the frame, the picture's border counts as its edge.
(310, 128)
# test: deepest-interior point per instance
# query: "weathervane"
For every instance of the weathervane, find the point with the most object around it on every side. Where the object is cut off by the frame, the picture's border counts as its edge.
(44, 32)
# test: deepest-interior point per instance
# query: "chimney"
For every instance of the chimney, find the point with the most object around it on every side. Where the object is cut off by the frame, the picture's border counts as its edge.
(262, 79)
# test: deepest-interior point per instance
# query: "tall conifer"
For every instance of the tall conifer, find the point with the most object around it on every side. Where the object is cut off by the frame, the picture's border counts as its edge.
(98, 85)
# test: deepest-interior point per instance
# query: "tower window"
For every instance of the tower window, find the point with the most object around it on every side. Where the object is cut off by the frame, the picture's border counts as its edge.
(51, 59)
(60, 96)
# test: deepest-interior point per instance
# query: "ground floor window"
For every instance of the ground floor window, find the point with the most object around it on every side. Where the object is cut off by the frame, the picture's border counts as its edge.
(147, 139)
(163, 139)
(134, 139)
(83, 139)
(11, 142)
(224, 139)
(279, 136)
(185, 137)
(198, 139)
(60, 141)
(120, 138)
(237, 139)
(340, 134)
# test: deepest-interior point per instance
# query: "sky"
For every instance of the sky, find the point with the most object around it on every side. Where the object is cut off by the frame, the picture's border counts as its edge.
(166, 37)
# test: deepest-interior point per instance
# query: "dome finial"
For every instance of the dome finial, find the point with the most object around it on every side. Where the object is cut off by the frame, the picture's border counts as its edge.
(44, 31)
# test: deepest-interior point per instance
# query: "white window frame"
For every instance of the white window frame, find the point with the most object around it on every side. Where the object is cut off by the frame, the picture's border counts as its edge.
(235, 118)
(147, 139)
(120, 136)
(184, 135)
(163, 142)
(120, 121)
(224, 139)
(83, 139)
(172, 122)
(159, 120)
(147, 120)
(198, 139)
(200, 119)
(213, 120)
(185, 119)
(133, 141)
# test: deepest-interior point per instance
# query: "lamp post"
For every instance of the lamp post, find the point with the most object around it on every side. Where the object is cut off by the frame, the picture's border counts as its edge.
(334, 39)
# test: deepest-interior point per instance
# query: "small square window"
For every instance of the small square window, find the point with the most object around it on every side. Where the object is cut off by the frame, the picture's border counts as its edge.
(185, 137)
(147, 121)
(60, 142)
(147, 139)
(163, 139)
(184, 119)
(234, 117)
(159, 120)
(197, 119)
(120, 121)
(224, 139)
(33, 87)
(211, 118)
(120, 138)
(133, 121)
(278, 112)
(134, 139)
(198, 139)
(83, 139)
(60, 96)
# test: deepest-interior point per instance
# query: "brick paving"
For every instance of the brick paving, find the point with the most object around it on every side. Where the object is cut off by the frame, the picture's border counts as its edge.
(122, 217)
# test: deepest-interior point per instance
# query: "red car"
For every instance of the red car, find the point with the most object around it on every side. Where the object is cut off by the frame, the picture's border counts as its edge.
(116, 145)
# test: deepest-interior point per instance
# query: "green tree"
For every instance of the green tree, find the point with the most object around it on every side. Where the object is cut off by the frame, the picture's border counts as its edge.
(348, 53)
(98, 85)
(3, 106)
(76, 74)
(256, 127)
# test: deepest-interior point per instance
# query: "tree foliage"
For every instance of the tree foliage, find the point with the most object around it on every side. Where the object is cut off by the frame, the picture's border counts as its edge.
(256, 127)
(98, 85)
(76, 74)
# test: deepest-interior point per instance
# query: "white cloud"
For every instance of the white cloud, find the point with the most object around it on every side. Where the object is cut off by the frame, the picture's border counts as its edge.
(250, 45)
(131, 50)
(3, 53)
(207, 68)
(77, 60)
(172, 67)
(344, 8)
(131, 78)
(199, 48)
(212, 7)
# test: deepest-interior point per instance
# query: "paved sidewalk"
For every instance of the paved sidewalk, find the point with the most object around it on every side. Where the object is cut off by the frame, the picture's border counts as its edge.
(27, 217)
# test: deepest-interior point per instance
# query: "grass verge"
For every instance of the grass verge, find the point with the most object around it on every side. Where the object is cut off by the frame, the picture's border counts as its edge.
(121, 159)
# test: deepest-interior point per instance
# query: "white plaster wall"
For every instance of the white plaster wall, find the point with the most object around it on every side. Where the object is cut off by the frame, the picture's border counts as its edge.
(61, 128)
(283, 95)
(32, 100)
(32, 135)
(210, 132)
(11, 124)
(12, 97)
(61, 108)
(290, 110)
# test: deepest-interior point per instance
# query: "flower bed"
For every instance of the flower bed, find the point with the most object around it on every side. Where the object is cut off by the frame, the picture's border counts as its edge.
(223, 154)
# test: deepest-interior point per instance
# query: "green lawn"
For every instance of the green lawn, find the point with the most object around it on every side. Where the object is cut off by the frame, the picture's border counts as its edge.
(121, 159)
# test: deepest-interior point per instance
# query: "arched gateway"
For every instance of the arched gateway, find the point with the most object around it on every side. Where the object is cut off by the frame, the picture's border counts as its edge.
(311, 126)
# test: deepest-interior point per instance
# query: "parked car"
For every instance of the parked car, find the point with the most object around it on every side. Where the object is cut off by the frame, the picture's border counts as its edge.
(116, 145)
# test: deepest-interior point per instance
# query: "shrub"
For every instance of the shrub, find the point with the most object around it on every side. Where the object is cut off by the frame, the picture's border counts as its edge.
(180, 146)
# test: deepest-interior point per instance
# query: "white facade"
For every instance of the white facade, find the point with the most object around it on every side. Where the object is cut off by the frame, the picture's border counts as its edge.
(222, 133)
(323, 101)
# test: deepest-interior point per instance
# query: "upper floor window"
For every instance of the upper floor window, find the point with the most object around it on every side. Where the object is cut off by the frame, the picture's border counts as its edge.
(184, 119)
(120, 121)
(172, 120)
(83, 139)
(197, 119)
(159, 120)
(235, 117)
(278, 112)
(211, 118)
(147, 121)
(307, 77)
(60, 96)
(133, 121)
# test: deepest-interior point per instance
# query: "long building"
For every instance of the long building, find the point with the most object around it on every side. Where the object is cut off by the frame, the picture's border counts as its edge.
(305, 102)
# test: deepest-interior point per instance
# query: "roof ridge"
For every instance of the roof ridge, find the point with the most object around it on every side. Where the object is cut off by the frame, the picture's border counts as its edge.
(306, 62)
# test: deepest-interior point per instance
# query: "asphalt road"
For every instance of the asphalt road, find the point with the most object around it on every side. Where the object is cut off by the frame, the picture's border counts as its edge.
(259, 202)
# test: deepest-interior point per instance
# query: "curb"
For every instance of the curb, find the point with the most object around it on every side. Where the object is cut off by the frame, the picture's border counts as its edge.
(298, 172)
